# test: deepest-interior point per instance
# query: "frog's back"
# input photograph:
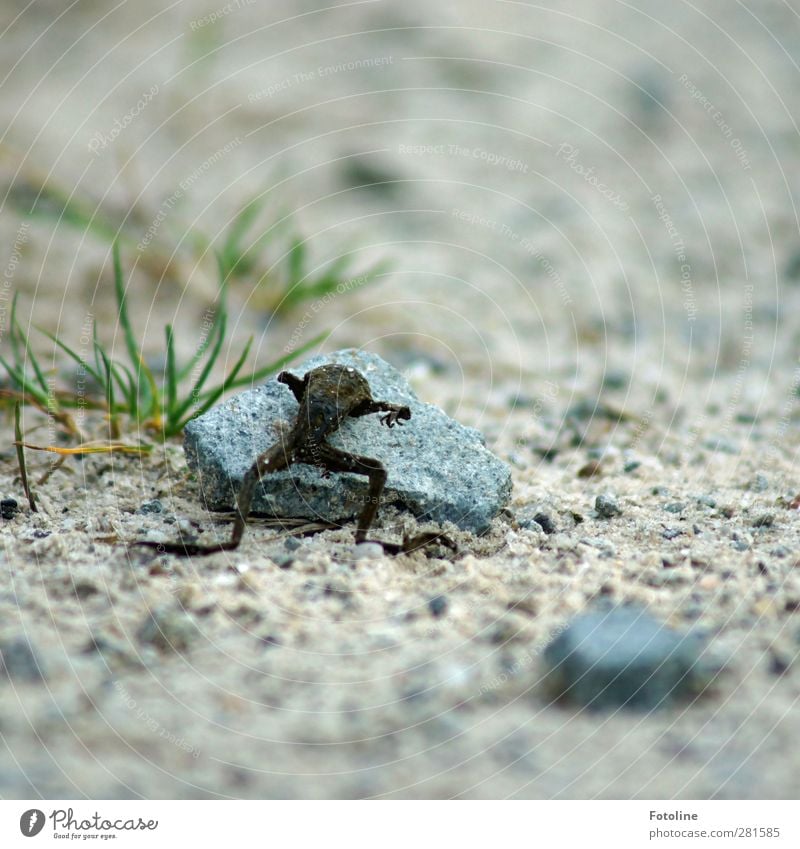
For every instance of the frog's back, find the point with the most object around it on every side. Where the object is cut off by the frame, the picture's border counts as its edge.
(332, 392)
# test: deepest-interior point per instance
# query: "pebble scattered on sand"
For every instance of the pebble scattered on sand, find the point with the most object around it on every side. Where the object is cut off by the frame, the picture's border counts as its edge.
(607, 506)
(622, 656)
(19, 661)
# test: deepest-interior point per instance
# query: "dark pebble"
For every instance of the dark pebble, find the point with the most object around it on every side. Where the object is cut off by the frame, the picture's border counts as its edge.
(590, 470)
(671, 533)
(545, 522)
(8, 508)
(154, 506)
(438, 605)
(631, 466)
(675, 507)
(765, 520)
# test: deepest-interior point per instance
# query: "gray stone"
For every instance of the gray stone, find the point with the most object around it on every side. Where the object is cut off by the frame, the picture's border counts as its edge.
(622, 656)
(607, 506)
(19, 661)
(438, 469)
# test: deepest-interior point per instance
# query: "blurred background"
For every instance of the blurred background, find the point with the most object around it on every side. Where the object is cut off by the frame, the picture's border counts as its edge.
(539, 177)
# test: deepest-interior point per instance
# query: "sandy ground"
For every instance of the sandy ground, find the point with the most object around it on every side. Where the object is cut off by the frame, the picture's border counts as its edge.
(591, 214)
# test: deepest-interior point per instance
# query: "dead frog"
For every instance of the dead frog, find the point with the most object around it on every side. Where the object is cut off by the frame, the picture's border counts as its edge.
(326, 395)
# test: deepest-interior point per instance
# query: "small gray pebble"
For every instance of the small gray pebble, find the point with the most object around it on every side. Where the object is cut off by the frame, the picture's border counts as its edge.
(19, 661)
(675, 507)
(437, 605)
(606, 659)
(283, 560)
(721, 445)
(631, 466)
(707, 501)
(607, 506)
(154, 506)
(671, 533)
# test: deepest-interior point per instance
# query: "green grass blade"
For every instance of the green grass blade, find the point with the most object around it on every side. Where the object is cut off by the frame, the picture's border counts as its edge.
(235, 260)
(24, 385)
(266, 371)
(18, 334)
(171, 376)
(12, 330)
(70, 353)
(122, 307)
(220, 317)
(297, 260)
(23, 471)
(211, 397)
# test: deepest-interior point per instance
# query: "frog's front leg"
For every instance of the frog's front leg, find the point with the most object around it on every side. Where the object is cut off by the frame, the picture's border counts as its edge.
(395, 413)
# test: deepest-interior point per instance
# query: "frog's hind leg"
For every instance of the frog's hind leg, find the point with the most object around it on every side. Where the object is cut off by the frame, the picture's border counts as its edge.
(335, 460)
(274, 459)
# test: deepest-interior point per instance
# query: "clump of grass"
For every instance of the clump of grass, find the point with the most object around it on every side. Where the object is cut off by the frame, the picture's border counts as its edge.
(276, 256)
(292, 279)
(129, 390)
(163, 406)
